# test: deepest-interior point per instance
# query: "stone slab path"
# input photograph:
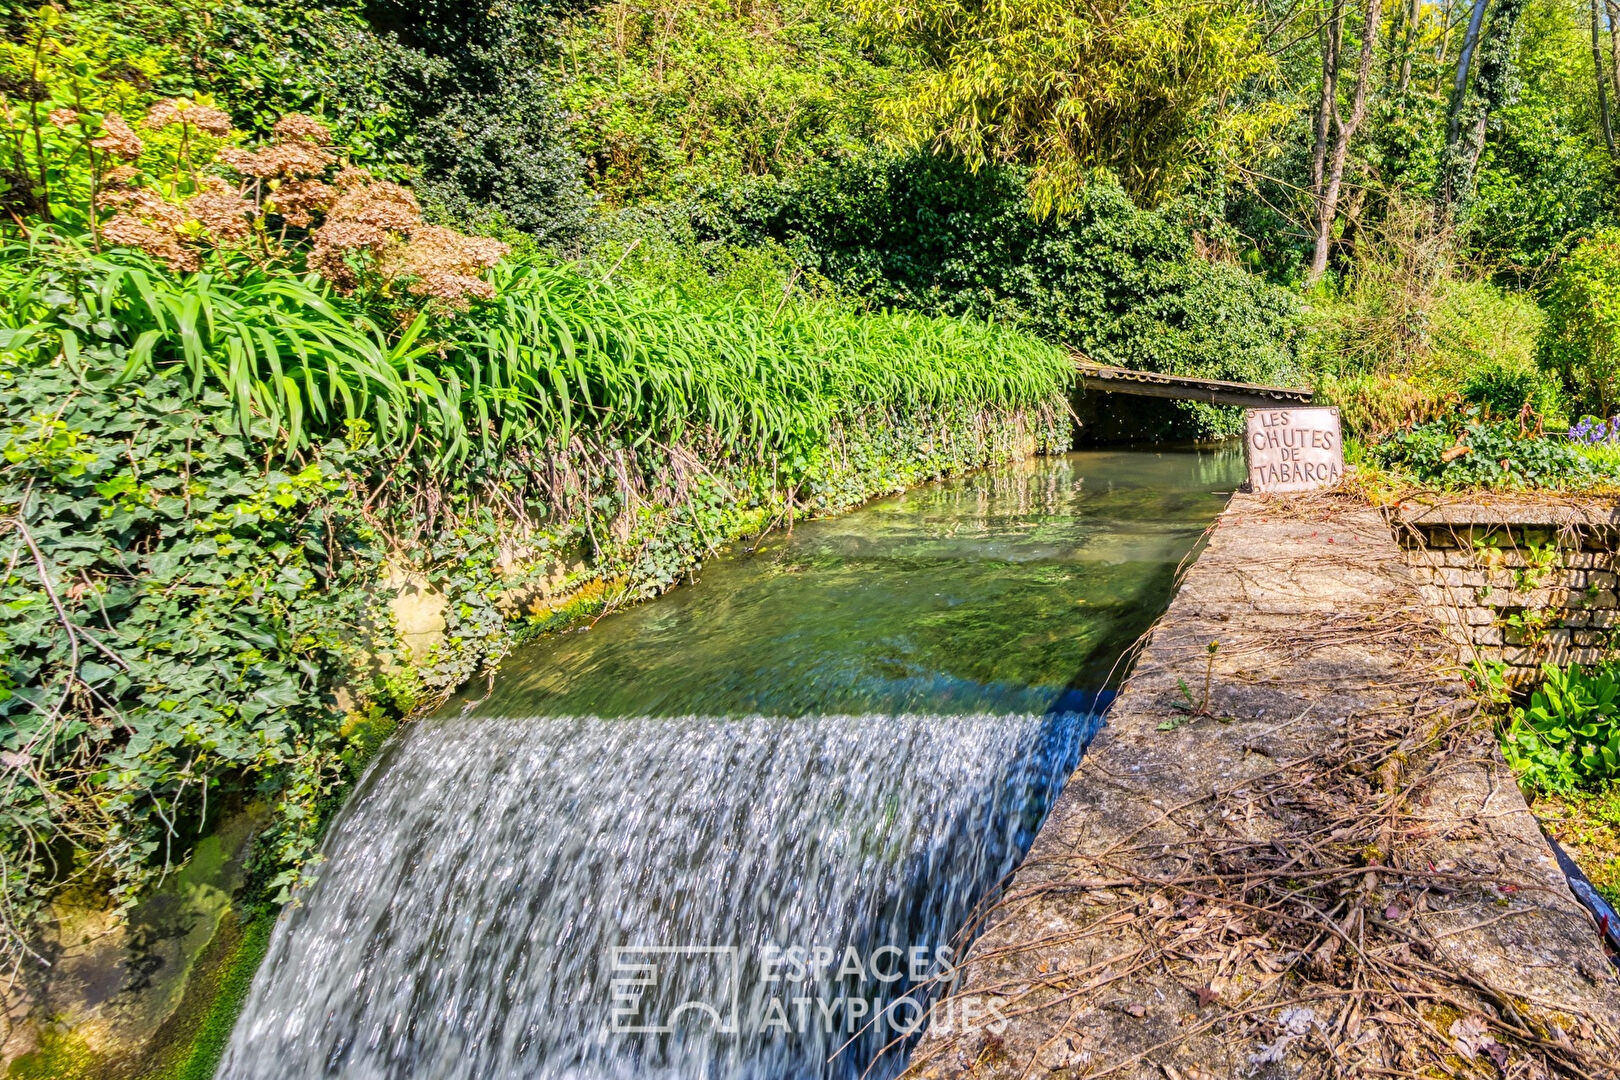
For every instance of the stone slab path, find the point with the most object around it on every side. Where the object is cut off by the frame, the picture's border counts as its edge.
(1320, 868)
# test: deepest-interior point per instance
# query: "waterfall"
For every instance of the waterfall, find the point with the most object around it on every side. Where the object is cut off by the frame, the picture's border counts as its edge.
(538, 897)
(722, 835)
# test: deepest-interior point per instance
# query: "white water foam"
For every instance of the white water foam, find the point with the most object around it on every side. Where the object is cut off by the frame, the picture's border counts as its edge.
(477, 884)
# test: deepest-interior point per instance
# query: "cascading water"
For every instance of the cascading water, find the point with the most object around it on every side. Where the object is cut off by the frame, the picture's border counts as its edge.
(732, 834)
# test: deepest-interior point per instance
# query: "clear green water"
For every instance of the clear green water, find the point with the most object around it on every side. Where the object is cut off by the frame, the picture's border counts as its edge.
(1002, 591)
(841, 741)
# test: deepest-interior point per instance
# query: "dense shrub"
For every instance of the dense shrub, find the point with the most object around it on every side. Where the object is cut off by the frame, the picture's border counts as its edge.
(1568, 736)
(667, 99)
(456, 99)
(1503, 388)
(1122, 285)
(199, 606)
(1581, 341)
(1488, 455)
(1411, 330)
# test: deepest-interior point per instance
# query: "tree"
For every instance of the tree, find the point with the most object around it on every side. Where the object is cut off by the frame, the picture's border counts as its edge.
(1344, 128)
(1459, 89)
(1472, 107)
(1141, 88)
(1602, 78)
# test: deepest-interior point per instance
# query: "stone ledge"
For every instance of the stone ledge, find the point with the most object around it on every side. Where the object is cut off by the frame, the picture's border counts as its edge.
(1346, 645)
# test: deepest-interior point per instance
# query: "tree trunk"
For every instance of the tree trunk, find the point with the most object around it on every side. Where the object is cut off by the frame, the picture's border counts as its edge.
(1452, 160)
(1332, 34)
(1492, 89)
(1459, 89)
(1613, 8)
(1413, 13)
(1344, 131)
(1600, 67)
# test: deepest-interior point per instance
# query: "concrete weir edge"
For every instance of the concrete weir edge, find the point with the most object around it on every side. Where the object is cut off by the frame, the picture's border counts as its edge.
(1295, 850)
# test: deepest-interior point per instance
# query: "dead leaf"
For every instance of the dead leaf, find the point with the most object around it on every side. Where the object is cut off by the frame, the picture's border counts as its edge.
(1470, 1035)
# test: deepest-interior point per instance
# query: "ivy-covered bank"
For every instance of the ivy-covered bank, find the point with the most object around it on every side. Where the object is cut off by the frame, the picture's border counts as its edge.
(202, 614)
(285, 458)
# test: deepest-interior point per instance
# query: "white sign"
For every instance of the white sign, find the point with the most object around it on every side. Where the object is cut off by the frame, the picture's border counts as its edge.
(1293, 449)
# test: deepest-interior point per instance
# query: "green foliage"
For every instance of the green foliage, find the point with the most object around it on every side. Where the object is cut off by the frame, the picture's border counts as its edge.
(555, 351)
(287, 353)
(668, 98)
(203, 477)
(1411, 331)
(1144, 89)
(458, 101)
(1122, 285)
(1482, 454)
(172, 614)
(1503, 389)
(1581, 342)
(87, 62)
(1568, 737)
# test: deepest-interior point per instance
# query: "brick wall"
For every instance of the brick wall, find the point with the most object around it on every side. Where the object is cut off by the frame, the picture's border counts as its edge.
(1519, 584)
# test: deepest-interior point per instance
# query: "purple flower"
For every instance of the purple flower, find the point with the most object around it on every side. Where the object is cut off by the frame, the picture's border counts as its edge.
(1592, 431)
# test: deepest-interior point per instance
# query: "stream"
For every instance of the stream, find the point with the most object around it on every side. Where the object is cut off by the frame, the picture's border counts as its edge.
(741, 831)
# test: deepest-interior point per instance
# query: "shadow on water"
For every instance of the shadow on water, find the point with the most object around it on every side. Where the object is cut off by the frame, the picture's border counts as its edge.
(725, 833)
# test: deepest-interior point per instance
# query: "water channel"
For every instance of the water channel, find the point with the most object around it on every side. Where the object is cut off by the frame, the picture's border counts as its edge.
(736, 833)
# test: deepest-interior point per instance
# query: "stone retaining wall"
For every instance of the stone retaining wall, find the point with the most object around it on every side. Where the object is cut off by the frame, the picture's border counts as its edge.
(1517, 583)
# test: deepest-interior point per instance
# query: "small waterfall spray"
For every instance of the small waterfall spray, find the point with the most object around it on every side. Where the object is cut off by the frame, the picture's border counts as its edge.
(516, 898)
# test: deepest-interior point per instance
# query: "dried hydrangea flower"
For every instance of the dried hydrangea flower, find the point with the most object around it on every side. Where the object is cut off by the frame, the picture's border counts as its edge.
(298, 200)
(289, 159)
(120, 139)
(221, 210)
(147, 221)
(295, 127)
(64, 118)
(172, 111)
(162, 114)
(366, 217)
(349, 176)
(160, 243)
(445, 264)
(206, 118)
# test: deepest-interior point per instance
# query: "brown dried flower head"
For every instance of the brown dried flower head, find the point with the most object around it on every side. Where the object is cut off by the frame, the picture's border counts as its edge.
(445, 264)
(298, 200)
(221, 210)
(279, 161)
(365, 217)
(385, 221)
(295, 127)
(172, 111)
(64, 118)
(349, 176)
(120, 139)
(148, 221)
